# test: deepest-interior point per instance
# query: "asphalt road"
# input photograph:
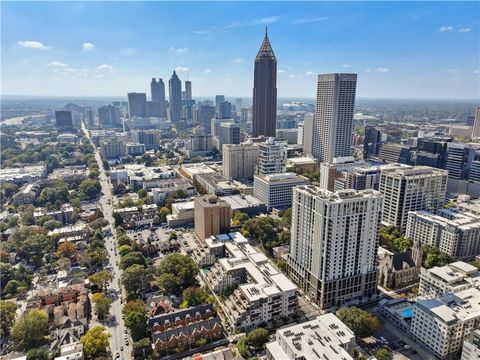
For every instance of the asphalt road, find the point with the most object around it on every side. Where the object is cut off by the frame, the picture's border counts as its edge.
(116, 327)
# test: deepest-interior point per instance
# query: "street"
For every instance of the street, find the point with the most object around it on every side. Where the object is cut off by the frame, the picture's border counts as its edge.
(117, 326)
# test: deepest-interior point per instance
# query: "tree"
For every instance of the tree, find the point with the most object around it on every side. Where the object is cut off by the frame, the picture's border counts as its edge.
(243, 349)
(173, 236)
(7, 316)
(475, 263)
(142, 193)
(134, 306)
(201, 342)
(102, 305)
(95, 342)
(142, 348)
(101, 279)
(362, 323)
(132, 258)
(38, 354)
(194, 296)
(98, 224)
(30, 329)
(162, 214)
(52, 224)
(177, 272)
(287, 217)
(257, 337)
(434, 257)
(9, 189)
(124, 250)
(384, 354)
(124, 240)
(66, 249)
(239, 217)
(90, 188)
(136, 279)
(136, 321)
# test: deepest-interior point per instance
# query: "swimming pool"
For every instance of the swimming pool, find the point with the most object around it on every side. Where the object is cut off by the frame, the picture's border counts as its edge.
(407, 313)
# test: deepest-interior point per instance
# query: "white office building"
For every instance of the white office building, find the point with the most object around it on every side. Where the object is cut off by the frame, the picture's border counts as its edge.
(272, 157)
(334, 116)
(451, 278)
(325, 337)
(275, 190)
(443, 323)
(411, 188)
(334, 242)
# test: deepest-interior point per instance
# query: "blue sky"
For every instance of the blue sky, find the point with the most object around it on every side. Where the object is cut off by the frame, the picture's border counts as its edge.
(409, 49)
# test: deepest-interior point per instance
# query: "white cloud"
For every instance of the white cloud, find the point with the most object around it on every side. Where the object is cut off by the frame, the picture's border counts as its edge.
(181, 69)
(237, 61)
(346, 65)
(88, 46)
(476, 72)
(452, 71)
(464, 30)
(207, 71)
(105, 69)
(57, 64)
(266, 20)
(446, 28)
(309, 20)
(179, 50)
(309, 73)
(30, 44)
(281, 71)
(381, 70)
(237, 24)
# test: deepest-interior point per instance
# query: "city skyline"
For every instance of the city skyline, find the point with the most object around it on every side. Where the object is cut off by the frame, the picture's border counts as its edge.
(411, 50)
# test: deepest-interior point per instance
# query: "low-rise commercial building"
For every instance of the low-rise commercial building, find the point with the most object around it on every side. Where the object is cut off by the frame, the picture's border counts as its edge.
(247, 204)
(325, 337)
(183, 213)
(24, 174)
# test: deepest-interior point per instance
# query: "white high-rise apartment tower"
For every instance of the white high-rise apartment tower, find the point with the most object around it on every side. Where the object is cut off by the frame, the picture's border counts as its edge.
(334, 241)
(239, 160)
(334, 116)
(272, 158)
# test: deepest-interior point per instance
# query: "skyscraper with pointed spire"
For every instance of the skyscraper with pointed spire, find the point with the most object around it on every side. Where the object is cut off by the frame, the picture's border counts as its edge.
(175, 97)
(265, 91)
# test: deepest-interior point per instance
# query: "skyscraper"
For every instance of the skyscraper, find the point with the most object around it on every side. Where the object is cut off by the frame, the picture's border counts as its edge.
(372, 142)
(108, 116)
(334, 242)
(272, 157)
(212, 216)
(158, 95)
(476, 124)
(239, 161)
(63, 120)
(265, 91)
(229, 133)
(175, 97)
(188, 90)
(224, 110)
(334, 116)
(137, 104)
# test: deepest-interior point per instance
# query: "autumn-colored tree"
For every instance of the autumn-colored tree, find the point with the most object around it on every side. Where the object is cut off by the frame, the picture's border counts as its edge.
(95, 342)
(66, 250)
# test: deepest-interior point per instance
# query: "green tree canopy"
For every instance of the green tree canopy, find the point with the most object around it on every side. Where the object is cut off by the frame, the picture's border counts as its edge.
(136, 321)
(102, 305)
(38, 354)
(257, 337)
(177, 272)
(384, 354)
(90, 188)
(95, 342)
(132, 258)
(7, 316)
(30, 329)
(361, 322)
(136, 279)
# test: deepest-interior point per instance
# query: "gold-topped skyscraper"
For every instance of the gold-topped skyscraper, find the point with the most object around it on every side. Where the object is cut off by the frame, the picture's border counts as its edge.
(265, 91)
